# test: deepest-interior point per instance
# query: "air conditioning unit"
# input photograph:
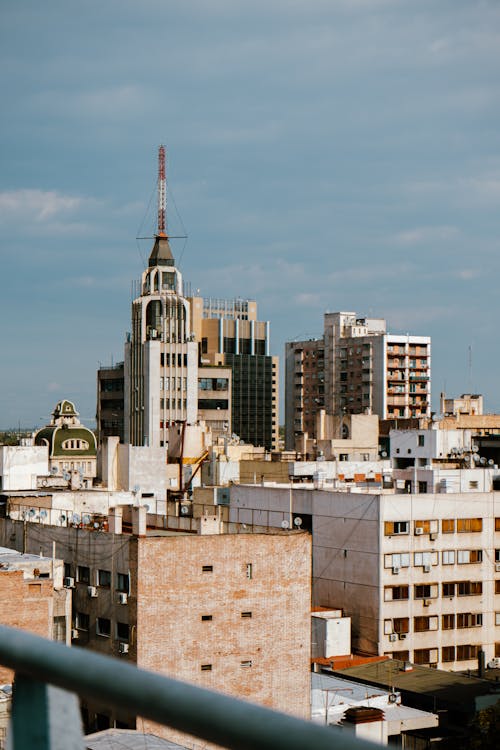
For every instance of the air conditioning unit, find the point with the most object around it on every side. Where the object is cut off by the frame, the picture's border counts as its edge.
(497, 567)
(494, 663)
(427, 568)
(92, 591)
(433, 536)
(123, 648)
(395, 571)
(427, 602)
(74, 634)
(418, 530)
(393, 637)
(69, 583)
(122, 598)
(402, 636)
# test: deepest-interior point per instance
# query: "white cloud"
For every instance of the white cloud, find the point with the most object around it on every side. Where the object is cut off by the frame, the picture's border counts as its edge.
(425, 234)
(37, 205)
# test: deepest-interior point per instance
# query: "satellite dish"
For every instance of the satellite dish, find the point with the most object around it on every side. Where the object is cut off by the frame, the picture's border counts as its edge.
(43, 514)
(467, 459)
(285, 524)
(31, 512)
(62, 518)
(146, 507)
(96, 525)
(184, 509)
(384, 454)
(76, 518)
(490, 462)
(298, 522)
(86, 519)
(136, 488)
(66, 476)
(475, 447)
(482, 460)
(53, 470)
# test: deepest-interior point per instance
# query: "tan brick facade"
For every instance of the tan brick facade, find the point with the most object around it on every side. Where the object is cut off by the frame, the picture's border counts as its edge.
(256, 645)
(27, 605)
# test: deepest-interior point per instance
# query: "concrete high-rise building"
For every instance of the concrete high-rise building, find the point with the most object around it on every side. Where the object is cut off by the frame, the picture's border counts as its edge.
(230, 335)
(365, 371)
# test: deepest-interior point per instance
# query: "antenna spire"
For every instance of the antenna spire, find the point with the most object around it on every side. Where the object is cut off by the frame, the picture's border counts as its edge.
(162, 193)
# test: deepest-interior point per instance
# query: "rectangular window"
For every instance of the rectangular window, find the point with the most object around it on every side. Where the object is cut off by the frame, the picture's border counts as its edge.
(397, 560)
(425, 591)
(424, 559)
(425, 656)
(246, 663)
(246, 614)
(249, 572)
(206, 618)
(401, 625)
(421, 440)
(467, 651)
(497, 524)
(396, 527)
(497, 587)
(122, 631)
(469, 588)
(103, 626)
(448, 556)
(83, 574)
(469, 620)
(497, 618)
(396, 593)
(420, 624)
(122, 583)
(448, 653)
(104, 578)
(206, 667)
(207, 568)
(469, 556)
(448, 589)
(448, 622)
(82, 621)
(448, 525)
(467, 525)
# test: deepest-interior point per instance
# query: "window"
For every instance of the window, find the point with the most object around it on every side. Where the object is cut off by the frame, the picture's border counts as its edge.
(401, 655)
(122, 631)
(469, 620)
(207, 568)
(104, 578)
(448, 622)
(473, 484)
(397, 560)
(425, 558)
(425, 656)
(497, 524)
(206, 618)
(469, 588)
(82, 621)
(247, 663)
(448, 556)
(421, 441)
(467, 651)
(425, 591)
(206, 667)
(466, 525)
(469, 556)
(448, 525)
(401, 625)
(420, 624)
(497, 587)
(395, 593)
(246, 614)
(448, 589)
(249, 570)
(448, 653)
(103, 626)
(497, 618)
(83, 574)
(396, 527)
(122, 582)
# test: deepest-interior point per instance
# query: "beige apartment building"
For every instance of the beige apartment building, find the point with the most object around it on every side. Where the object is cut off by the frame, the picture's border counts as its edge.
(418, 574)
(359, 369)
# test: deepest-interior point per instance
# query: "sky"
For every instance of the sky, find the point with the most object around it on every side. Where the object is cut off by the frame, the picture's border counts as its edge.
(322, 155)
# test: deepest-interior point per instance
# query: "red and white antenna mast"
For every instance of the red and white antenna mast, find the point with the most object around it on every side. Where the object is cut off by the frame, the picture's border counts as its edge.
(162, 192)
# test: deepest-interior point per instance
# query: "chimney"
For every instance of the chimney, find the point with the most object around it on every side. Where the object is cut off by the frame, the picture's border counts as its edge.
(115, 520)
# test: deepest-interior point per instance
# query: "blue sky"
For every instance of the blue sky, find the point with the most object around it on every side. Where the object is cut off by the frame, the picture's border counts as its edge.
(322, 155)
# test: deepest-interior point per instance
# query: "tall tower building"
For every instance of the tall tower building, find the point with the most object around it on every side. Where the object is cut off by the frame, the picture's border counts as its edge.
(161, 355)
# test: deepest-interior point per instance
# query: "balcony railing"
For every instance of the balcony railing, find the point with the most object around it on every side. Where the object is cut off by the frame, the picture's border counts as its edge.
(49, 719)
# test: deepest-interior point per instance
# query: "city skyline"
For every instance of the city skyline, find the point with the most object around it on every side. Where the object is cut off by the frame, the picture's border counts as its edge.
(321, 158)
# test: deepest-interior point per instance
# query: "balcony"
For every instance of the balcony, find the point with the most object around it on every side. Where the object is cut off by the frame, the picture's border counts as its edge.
(45, 718)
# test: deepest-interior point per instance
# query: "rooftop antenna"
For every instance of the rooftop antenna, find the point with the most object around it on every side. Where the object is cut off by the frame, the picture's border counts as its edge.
(162, 193)
(469, 363)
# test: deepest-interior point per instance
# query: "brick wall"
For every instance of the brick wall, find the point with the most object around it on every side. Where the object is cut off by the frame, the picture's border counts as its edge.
(27, 605)
(262, 656)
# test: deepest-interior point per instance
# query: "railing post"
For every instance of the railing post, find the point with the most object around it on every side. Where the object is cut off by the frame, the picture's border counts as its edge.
(43, 717)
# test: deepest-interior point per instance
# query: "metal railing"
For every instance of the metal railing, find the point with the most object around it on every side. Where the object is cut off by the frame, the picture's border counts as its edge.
(47, 717)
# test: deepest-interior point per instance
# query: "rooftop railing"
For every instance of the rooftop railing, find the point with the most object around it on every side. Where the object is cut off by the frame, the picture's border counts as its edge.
(49, 676)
